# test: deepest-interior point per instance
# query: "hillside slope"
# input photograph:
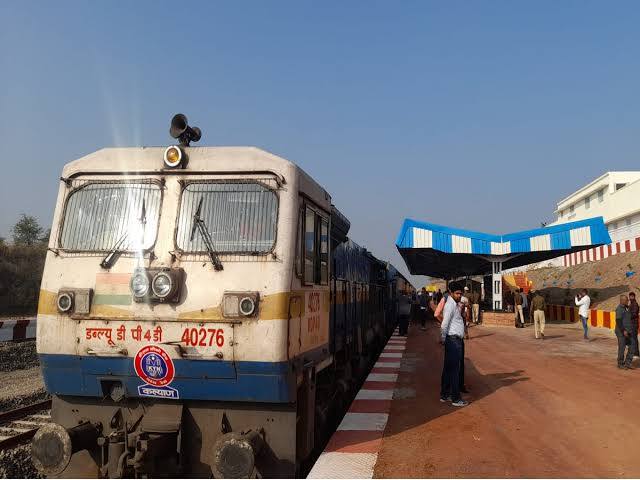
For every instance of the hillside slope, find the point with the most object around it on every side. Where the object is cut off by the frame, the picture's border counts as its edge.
(605, 280)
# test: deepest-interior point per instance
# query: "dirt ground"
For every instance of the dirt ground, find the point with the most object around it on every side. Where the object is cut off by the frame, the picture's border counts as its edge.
(557, 407)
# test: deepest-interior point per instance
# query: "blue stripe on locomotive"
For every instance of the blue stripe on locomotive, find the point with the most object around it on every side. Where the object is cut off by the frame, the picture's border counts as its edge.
(195, 379)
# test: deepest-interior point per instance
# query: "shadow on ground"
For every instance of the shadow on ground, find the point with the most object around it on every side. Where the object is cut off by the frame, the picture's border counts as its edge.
(417, 398)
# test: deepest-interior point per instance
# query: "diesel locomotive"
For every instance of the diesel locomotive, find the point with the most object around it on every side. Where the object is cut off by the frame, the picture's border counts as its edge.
(202, 313)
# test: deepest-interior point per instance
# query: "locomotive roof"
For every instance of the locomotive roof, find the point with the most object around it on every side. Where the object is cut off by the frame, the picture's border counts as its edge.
(149, 160)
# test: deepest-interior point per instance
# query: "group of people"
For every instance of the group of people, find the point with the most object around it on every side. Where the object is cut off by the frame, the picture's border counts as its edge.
(529, 306)
(458, 307)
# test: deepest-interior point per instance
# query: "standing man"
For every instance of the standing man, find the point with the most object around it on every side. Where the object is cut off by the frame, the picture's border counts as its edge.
(525, 304)
(451, 336)
(624, 332)
(537, 309)
(517, 299)
(634, 309)
(584, 302)
(475, 306)
(424, 304)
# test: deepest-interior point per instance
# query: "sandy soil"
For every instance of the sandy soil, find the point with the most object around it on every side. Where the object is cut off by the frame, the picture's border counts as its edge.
(557, 407)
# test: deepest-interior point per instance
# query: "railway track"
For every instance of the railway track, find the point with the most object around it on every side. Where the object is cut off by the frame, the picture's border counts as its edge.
(19, 425)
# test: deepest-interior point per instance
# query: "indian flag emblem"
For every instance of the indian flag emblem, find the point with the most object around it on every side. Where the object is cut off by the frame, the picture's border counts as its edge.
(112, 289)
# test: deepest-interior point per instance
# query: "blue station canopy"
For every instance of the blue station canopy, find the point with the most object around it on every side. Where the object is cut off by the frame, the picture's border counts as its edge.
(446, 252)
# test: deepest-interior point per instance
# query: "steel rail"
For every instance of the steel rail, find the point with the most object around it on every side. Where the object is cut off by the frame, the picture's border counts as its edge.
(17, 414)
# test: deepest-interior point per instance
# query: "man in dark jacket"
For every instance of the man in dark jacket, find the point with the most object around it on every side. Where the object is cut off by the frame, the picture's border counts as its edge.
(625, 332)
(634, 309)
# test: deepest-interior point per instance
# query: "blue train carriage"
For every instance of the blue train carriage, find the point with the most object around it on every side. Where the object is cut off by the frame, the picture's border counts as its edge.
(401, 294)
(189, 322)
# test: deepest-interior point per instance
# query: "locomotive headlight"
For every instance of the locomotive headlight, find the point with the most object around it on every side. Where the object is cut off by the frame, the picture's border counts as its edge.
(172, 156)
(65, 302)
(162, 285)
(139, 284)
(247, 306)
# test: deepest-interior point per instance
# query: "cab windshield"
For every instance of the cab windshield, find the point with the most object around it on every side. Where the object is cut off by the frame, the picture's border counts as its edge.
(239, 215)
(99, 215)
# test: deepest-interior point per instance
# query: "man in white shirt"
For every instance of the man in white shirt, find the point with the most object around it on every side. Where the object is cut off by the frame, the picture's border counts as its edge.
(452, 337)
(584, 303)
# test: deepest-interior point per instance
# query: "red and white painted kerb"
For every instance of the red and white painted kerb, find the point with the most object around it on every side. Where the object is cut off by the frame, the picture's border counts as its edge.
(19, 329)
(604, 251)
(353, 449)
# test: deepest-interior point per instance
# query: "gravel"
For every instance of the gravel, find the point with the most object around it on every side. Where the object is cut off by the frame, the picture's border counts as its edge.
(20, 385)
(16, 463)
(18, 355)
(13, 402)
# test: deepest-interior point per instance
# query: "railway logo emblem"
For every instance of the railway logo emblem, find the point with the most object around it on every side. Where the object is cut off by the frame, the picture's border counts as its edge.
(155, 367)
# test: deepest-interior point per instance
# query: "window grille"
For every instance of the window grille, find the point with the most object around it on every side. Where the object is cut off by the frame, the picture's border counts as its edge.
(240, 215)
(103, 215)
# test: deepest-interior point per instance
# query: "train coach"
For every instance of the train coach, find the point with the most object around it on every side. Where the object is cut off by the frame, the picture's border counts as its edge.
(202, 313)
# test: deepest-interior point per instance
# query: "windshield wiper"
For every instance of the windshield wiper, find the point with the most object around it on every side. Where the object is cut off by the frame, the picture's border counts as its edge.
(114, 253)
(199, 224)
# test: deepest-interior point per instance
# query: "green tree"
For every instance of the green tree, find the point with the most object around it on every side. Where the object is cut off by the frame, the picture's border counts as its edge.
(27, 231)
(45, 236)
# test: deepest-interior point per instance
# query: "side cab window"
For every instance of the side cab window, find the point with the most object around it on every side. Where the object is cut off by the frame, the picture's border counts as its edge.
(312, 256)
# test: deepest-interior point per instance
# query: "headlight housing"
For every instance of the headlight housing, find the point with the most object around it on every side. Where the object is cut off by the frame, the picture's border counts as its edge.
(240, 304)
(159, 285)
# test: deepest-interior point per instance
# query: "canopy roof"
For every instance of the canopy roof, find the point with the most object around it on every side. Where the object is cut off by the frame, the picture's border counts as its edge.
(447, 252)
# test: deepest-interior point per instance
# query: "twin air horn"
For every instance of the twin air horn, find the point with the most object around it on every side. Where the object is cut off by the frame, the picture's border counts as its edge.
(180, 130)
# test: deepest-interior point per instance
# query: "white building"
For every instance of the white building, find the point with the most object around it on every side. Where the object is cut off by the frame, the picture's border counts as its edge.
(616, 197)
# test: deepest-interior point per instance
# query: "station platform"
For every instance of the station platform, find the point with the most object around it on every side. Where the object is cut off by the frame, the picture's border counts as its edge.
(557, 407)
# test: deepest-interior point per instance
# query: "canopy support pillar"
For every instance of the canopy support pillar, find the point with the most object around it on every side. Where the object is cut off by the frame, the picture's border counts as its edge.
(497, 285)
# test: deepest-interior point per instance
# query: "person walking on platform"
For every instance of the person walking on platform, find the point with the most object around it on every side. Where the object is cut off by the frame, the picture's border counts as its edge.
(517, 299)
(634, 309)
(424, 304)
(625, 333)
(537, 309)
(452, 337)
(583, 302)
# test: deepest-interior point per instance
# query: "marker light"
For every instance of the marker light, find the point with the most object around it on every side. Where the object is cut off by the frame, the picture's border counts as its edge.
(247, 306)
(240, 304)
(139, 284)
(162, 285)
(172, 156)
(65, 302)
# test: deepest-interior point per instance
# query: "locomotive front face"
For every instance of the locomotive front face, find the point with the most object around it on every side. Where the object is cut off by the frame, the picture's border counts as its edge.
(165, 304)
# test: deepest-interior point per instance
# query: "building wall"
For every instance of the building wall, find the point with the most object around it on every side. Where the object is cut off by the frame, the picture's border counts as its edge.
(619, 207)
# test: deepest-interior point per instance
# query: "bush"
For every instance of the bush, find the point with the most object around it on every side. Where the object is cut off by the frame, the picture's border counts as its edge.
(20, 276)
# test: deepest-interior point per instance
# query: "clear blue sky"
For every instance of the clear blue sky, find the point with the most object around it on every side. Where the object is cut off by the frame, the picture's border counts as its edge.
(475, 114)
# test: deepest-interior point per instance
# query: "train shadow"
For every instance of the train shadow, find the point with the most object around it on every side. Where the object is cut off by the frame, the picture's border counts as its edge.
(417, 394)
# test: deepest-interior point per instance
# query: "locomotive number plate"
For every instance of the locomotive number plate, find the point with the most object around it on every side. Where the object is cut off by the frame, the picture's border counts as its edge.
(203, 337)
